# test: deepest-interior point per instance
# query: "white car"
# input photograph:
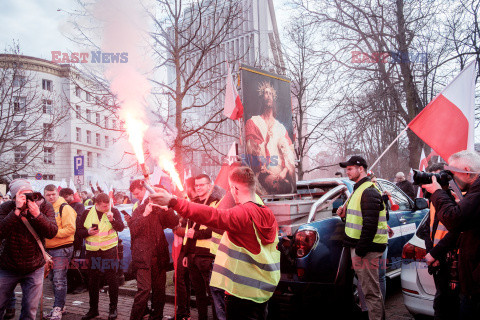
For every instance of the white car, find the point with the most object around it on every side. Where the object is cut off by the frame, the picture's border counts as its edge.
(418, 287)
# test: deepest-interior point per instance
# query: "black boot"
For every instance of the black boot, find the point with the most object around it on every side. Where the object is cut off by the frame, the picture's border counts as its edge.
(92, 313)
(112, 314)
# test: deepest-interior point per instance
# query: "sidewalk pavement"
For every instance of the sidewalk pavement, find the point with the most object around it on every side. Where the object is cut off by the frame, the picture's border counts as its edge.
(77, 304)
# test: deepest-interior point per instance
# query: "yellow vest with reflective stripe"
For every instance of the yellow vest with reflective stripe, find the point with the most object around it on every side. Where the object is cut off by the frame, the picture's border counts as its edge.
(106, 238)
(87, 202)
(216, 237)
(202, 243)
(354, 219)
(244, 274)
(215, 242)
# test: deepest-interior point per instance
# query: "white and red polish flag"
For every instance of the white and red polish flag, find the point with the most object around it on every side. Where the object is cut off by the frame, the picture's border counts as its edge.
(233, 105)
(447, 122)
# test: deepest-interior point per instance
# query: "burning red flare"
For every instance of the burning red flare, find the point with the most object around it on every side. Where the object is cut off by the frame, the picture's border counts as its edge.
(136, 129)
(168, 166)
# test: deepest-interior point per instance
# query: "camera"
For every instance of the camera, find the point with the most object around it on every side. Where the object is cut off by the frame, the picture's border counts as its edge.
(421, 177)
(33, 196)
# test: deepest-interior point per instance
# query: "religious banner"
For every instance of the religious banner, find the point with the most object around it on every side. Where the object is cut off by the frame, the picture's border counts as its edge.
(269, 148)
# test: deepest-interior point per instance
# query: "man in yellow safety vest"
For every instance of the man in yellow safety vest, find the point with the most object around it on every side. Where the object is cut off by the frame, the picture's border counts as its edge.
(247, 264)
(100, 226)
(366, 233)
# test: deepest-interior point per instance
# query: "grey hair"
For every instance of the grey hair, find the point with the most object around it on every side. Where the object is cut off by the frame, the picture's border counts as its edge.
(468, 158)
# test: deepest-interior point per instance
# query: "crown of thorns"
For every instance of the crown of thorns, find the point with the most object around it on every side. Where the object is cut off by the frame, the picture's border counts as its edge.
(264, 86)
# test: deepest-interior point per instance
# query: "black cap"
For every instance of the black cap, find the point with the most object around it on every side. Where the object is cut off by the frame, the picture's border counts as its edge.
(354, 161)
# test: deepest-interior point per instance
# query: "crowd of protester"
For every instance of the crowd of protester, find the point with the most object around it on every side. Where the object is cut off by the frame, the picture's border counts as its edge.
(39, 228)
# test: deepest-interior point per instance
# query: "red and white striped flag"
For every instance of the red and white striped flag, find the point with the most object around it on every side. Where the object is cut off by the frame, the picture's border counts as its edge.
(447, 122)
(233, 108)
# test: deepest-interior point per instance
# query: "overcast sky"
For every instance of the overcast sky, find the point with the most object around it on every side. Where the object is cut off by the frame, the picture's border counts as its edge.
(38, 26)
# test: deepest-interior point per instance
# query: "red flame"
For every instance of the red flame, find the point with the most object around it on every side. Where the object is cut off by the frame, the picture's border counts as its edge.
(136, 129)
(167, 165)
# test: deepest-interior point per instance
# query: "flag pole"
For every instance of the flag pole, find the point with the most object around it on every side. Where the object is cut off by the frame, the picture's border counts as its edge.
(388, 148)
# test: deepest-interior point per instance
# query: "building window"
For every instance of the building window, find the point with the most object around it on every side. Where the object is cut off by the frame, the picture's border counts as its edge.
(47, 106)
(20, 153)
(79, 135)
(97, 118)
(47, 84)
(89, 159)
(78, 91)
(79, 152)
(107, 142)
(48, 155)
(48, 177)
(99, 160)
(47, 130)
(19, 104)
(97, 139)
(20, 128)
(122, 125)
(89, 115)
(89, 136)
(19, 81)
(114, 124)
(78, 112)
(106, 122)
(88, 97)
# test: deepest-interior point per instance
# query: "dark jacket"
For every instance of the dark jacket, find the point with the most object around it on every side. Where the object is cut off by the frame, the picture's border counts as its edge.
(190, 247)
(448, 243)
(148, 237)
(79, 209)
(371, 204)
(407, 187)
(117, 224)
(20, 252)
(463, 217)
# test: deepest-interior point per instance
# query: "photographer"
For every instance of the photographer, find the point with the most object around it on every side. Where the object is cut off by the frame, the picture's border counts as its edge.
(464, 217)
(21, 260)
(439, 242)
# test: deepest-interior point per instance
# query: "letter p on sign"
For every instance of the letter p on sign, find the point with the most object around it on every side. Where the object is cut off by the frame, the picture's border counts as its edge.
(78, 165)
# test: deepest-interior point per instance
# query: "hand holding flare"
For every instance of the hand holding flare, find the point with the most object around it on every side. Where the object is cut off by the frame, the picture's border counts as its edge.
(161, 197)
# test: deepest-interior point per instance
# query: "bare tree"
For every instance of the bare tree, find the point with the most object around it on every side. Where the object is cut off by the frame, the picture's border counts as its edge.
(28, 117)
(374, 46)
(190, 43)
(310, 82)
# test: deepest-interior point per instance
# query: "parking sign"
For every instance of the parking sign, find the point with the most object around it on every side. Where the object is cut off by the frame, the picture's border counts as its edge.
(78, 166)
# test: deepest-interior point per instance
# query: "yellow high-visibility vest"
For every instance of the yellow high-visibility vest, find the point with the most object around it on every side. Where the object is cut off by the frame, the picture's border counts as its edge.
(244, 274)
(106, 238)
(216, 237)
(354, 219)
(202, 243)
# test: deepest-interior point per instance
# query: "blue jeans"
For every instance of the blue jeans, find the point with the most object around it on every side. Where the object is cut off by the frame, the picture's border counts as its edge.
(218, 297)
(31, 284)
(58, 275)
